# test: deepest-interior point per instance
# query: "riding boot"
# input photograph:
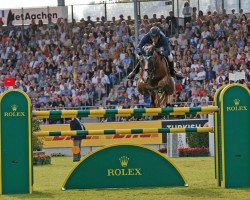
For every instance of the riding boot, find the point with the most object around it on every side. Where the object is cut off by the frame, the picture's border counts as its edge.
(171, 68)
(173, 72)
(135, 71)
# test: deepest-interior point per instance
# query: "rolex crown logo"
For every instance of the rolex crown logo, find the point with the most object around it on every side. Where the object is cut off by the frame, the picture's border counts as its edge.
(14, 107)
(236, 102)
(124, 161)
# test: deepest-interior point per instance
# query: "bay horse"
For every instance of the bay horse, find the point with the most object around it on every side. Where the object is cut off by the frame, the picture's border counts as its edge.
(154, 79)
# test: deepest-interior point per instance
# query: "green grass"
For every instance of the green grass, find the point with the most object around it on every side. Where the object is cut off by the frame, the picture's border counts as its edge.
(198, 171)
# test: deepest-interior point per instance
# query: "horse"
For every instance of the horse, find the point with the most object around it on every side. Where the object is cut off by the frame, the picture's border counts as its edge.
(154, 79)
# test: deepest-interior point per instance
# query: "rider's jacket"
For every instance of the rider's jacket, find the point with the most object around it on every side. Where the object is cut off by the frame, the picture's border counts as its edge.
(162, 42)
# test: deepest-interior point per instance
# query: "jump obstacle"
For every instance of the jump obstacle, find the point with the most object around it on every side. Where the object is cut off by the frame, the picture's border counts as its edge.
(124, 112)
(124, 131)
(120, 166)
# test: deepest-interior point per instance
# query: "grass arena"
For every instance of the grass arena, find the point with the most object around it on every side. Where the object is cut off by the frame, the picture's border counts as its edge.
(146, 172)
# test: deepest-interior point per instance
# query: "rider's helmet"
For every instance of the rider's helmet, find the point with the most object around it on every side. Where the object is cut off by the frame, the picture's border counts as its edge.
(154, 32)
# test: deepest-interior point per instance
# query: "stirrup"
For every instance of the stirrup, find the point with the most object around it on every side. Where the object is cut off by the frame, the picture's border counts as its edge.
(172, 74)
(179, 76)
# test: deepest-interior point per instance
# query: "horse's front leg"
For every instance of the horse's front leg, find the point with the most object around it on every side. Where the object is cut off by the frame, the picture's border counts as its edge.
(163, 82)
(143, 88)
(167, 85)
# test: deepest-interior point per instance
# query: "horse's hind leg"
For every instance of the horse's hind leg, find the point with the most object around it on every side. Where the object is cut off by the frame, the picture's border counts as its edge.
(163, 82)
(170, 87)
(161, 99)
(167, 84)
(153, 104)
(153, 100)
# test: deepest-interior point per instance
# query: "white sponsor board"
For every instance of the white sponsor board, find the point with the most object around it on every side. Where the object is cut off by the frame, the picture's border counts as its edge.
(25, 15)
(237, 76)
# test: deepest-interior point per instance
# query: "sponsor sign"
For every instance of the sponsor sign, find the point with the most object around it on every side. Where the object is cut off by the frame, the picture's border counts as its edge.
(235, 137)
(184, 123)
(237, 106)
(101, 140)
(124, 171)
(124, 166)
(25, 16)
(13, 112)
(15, 143)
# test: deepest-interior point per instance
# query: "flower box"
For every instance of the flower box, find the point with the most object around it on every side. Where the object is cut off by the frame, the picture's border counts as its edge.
(36, 153)
(193, 152)
(40, 158)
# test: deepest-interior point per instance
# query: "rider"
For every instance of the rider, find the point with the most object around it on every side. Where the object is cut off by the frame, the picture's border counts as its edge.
(156, 39)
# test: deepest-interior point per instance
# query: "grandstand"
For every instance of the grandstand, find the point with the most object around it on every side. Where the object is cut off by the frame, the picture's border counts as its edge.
(83, 63)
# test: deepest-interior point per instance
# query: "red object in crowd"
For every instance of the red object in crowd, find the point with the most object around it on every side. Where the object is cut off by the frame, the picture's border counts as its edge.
(46, 53)
(5, 39)
(178, 87)
(201, 92)
(9, 81)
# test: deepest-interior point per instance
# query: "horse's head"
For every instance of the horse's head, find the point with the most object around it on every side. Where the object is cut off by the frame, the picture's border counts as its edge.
(150, 60)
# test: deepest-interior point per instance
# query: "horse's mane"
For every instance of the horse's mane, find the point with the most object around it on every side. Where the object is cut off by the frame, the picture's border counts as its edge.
(158, 55)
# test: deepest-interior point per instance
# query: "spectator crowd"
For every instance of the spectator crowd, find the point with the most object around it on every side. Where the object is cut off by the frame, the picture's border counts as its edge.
(73, 65)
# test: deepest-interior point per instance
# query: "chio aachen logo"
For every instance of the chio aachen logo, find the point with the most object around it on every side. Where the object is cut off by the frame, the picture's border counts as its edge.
(28, 16)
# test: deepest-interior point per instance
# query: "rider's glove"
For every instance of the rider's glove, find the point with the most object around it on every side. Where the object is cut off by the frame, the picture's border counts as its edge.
(139, 56)
(145, 49)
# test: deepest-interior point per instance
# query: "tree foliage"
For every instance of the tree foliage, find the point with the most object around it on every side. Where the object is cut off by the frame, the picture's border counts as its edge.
(197, 140)
(36, 141)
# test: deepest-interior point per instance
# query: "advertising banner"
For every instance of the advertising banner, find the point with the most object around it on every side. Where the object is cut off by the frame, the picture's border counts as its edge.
(15, 143)
(235, 137)
(184, 123)
(124, 166)
(101, 140)
(25, 15)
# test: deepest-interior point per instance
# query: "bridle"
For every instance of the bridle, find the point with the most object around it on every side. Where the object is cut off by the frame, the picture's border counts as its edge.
(149, 67)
